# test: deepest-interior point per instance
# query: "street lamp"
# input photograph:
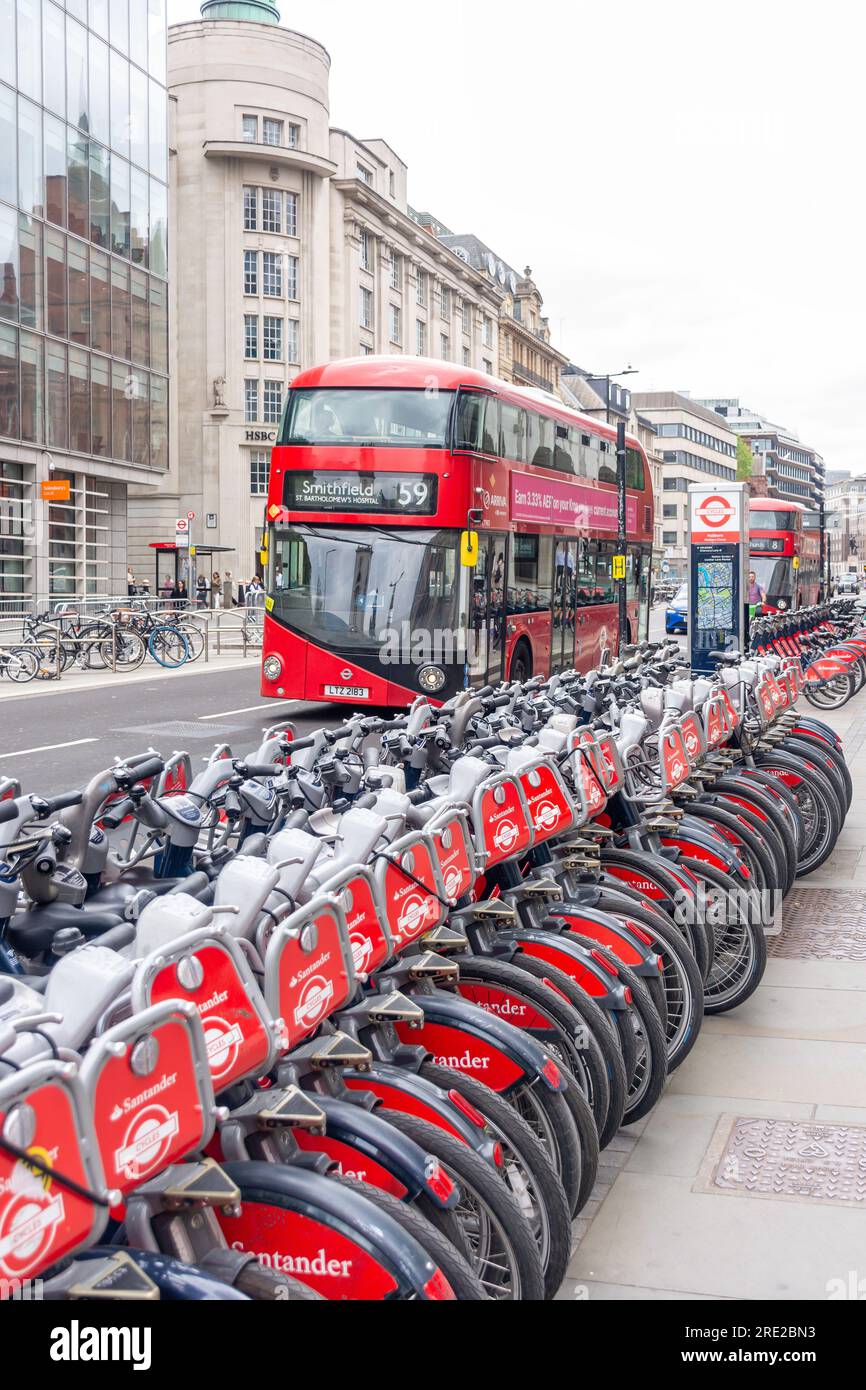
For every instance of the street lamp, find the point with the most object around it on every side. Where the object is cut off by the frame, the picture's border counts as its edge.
(607, 378)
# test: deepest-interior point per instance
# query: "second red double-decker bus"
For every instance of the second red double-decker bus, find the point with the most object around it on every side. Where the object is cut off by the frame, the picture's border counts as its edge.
(430, 527)
(784, 553)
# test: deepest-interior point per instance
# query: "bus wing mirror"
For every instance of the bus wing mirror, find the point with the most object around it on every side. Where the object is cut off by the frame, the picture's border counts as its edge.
(469, 549)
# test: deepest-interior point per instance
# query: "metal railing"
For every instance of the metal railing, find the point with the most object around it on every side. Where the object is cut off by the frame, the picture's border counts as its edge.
(238, 629)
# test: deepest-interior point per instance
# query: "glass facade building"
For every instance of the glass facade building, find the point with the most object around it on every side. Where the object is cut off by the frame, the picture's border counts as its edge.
(84, 293)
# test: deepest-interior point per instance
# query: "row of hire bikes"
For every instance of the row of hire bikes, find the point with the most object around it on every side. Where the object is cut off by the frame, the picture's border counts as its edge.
(354, 1016)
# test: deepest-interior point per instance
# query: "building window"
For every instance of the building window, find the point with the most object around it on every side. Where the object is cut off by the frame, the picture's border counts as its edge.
(487, 366)
(259, 473)
(273, 402)
(366, 350)
(445, 306)
(365, 176)
(669, 537)
(466, 315)
(272, 131)
(251, 274)
(294, 137)
(272, 339)
(271, 210)
(251, 130)
(421, 288)
(487, 331)
(444, 347)
(420, 338)
(251, 209)
(291, 214)
(272, 274)
(669, 512)
(251, 335)
(395, 271)
(467, 357)
(366, 253)
(395, 328)
(292, 277)
(365, 307)
(293, 335)
(251, 401)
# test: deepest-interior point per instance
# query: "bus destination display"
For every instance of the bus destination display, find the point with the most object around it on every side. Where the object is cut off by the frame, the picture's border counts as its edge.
(325, 491)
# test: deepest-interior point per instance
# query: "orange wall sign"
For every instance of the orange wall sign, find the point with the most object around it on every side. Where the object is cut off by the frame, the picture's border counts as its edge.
(56, 490)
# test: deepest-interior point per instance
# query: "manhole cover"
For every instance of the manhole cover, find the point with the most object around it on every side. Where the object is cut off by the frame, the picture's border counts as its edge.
(789, 1159)
(179, 728)
(822, 924)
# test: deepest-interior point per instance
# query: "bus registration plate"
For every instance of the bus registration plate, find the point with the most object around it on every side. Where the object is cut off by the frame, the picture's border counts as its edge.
(347, 692)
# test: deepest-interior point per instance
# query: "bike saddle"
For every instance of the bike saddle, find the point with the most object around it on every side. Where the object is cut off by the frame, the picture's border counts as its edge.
(114, 896)
(32, 933)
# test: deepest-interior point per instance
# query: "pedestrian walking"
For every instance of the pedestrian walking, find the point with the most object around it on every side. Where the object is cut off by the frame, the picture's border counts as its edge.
(202, 591)
(216, 589)
(130, 582)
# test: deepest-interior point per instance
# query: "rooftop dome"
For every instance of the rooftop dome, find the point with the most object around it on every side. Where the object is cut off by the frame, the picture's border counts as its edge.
(261, 11)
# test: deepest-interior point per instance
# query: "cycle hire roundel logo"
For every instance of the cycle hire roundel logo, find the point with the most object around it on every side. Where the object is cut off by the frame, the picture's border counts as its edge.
(715, 518)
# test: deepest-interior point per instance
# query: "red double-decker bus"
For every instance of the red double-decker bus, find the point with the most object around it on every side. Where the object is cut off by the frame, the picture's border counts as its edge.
(387, 475)
(785, 553)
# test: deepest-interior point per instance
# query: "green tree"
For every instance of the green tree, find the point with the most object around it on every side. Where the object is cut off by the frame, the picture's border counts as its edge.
(745, 461)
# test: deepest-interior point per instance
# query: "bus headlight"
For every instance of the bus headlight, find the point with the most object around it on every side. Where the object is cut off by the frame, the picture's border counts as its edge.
(431, 678)
(272, 668)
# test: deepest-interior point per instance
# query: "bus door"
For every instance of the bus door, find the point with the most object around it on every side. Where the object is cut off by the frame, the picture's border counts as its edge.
(564, 607)
(487, 611)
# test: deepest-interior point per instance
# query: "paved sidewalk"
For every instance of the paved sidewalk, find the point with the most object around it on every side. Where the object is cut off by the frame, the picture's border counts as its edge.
(748, 1180)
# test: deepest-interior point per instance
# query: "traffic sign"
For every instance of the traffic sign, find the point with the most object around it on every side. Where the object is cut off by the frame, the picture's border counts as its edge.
(181, 532)
(619, 567)
(190, 516)
(715, 516)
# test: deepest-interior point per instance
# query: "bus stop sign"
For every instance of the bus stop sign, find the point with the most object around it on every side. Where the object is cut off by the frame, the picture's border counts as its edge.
(718, 570)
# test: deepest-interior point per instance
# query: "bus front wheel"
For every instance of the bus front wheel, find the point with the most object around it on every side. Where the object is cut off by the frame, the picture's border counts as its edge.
(521, 663)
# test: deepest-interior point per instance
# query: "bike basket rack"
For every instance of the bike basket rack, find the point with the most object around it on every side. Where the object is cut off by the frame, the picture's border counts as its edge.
(369, 938)
(501, 821)
(409, 887)
(208, 968)
(548, 800)
(149, 1087)
(52, 1210)
(308, 967)
(451, 840)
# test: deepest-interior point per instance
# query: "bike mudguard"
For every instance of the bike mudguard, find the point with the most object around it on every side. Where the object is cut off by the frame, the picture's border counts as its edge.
(713, 850)
(591, 972)
(44, 1116)
(657, 877)
(815, 728)
(366, 1147)
(622, 937)
(826, 668)
(174, 1280)
(465, 1038)
(326, 1235)
(401, 1088)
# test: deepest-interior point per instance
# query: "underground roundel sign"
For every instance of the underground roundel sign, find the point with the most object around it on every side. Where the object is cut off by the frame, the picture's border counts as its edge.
(715, 516)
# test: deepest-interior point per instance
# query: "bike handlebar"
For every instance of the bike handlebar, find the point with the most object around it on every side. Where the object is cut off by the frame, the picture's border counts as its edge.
(8, 811)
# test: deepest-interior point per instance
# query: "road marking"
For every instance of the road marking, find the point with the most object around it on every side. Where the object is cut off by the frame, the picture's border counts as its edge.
(248, 709)
(47, 747)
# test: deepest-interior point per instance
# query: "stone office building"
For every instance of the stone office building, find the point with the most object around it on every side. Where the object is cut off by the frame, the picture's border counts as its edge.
(84, 303)
(293, 244)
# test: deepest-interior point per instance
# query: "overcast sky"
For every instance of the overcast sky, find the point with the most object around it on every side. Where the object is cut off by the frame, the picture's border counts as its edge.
(686, 181)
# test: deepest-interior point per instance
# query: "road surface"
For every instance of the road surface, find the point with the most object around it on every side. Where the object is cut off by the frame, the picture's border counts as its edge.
(58, 742)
